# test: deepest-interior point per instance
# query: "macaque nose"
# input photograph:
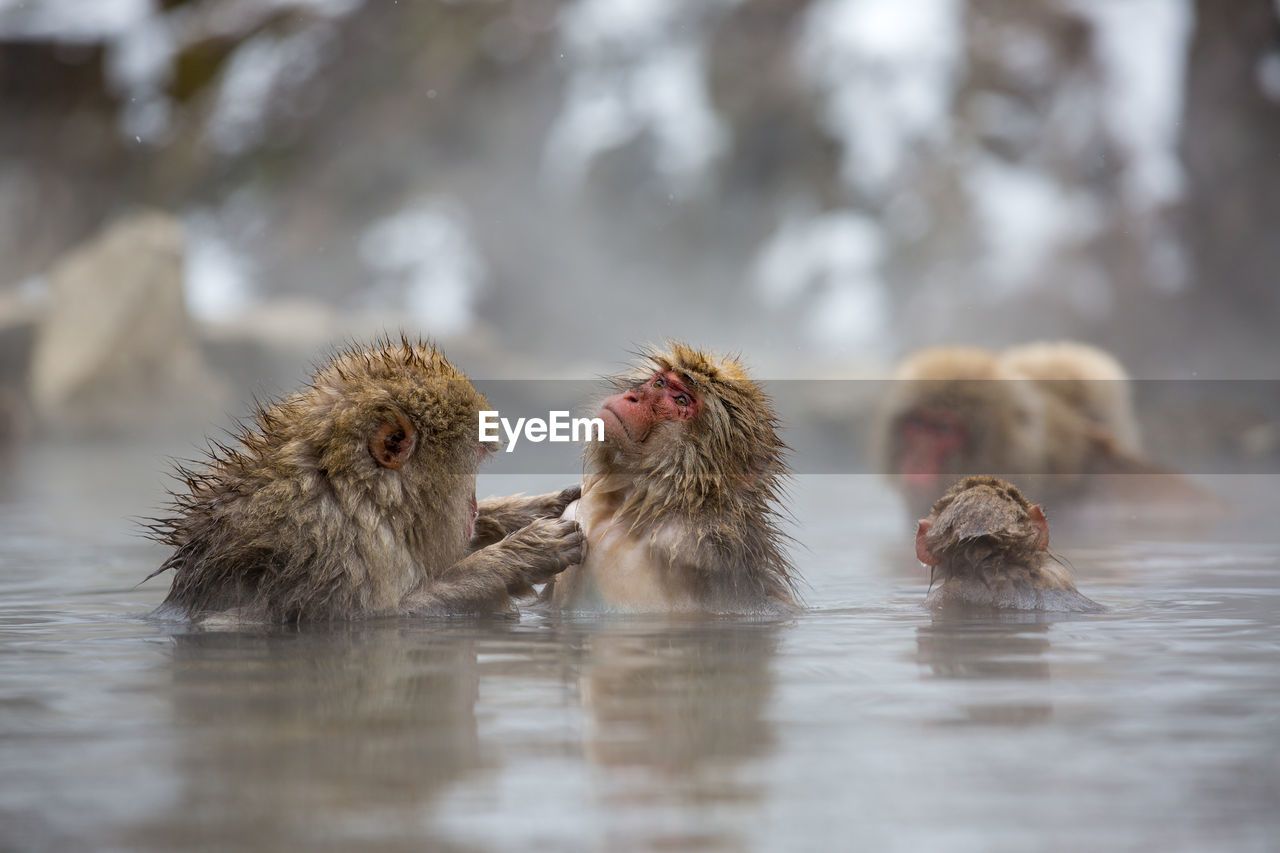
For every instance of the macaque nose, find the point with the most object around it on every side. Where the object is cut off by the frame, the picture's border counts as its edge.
(632, 396)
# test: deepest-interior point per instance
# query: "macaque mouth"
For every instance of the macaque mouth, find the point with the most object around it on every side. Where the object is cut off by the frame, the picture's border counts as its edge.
(921, 469)
(473, 512)
(622, 423)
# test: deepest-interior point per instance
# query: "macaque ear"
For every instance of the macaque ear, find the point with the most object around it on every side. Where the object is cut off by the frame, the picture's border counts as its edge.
(393, 441)
(1042, 527)
(923, 554)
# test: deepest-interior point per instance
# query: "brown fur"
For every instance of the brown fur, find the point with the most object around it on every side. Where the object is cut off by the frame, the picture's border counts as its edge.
(1088, 380)
(687, 518)
(497, 518)
(300, 518)
(1045, 415)
(988, 548)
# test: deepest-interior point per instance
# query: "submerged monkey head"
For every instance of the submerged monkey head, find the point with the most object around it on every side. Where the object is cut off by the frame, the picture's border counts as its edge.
(980, 521)
(989, 546)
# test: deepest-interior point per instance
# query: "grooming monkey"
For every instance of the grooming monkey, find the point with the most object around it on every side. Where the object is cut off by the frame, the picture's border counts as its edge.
(355, 497)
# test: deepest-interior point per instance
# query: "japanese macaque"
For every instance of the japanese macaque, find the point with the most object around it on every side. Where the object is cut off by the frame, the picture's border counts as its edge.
(1089, 381)
(679, 502)
(355, 497)
(987, 547)
(1045, 415)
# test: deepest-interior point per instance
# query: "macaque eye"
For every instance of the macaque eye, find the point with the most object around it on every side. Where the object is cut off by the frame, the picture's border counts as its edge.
(659, 382)
(682, 400)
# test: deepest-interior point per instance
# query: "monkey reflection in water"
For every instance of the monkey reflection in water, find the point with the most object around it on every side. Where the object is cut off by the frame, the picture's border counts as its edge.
(676, 706)
(298, 738)
(1009, 648)
(987, 547)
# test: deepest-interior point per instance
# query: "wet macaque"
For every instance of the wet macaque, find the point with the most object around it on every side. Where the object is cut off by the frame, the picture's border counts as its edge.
(987, 547)
(355, 497)
(1089, 381)
(679, 502)
(1046, 415)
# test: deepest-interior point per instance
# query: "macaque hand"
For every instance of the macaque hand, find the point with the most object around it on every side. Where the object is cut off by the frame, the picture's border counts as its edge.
(543, 549)
(555, 503)
(498, 517)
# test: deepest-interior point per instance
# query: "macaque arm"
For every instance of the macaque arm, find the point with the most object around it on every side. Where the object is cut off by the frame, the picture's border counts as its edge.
(500, 517)
(489, 577)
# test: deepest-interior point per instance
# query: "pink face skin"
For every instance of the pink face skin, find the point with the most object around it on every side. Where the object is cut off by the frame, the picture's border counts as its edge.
(928, 440)
(629, 416)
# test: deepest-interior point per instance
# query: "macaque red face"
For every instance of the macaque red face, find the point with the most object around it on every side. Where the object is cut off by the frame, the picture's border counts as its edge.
(928, 440)
(631, 415)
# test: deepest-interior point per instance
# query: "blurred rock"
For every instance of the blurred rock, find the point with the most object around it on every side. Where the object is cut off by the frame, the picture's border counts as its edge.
(19, 318)
(116, 351)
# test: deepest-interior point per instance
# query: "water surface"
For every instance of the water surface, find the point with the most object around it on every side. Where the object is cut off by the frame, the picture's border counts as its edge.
(863, 723)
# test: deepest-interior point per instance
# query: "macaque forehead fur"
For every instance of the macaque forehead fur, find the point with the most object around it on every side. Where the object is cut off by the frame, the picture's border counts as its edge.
(982, 523)
(728, 458)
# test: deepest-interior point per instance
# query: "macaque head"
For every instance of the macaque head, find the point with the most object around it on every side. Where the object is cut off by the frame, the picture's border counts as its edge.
(629, 416)
(693, 416)
(930, 441)
(951, 412)
(981, 517)
(392, 428)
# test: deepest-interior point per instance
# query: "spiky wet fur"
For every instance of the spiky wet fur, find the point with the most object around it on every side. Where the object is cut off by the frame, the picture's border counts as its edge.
(987, 546)
(294, 520)
(706, 492)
